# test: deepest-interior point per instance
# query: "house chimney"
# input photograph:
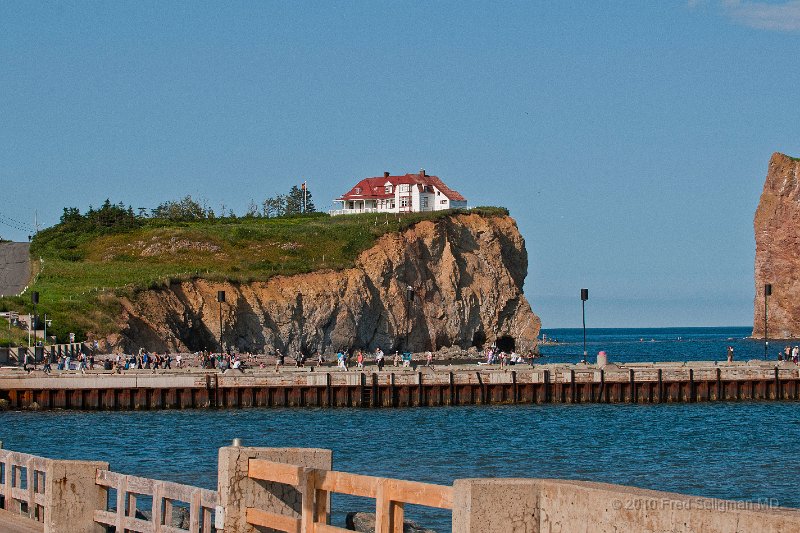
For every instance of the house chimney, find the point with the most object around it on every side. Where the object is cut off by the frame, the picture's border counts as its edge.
(385, 174)
(422, 173)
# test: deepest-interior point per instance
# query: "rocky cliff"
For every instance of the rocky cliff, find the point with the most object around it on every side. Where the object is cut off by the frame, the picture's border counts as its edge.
(466, 272)
(777, 232)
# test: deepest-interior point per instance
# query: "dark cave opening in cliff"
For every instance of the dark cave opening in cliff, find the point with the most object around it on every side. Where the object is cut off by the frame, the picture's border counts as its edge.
(506, 343)
(479, 339)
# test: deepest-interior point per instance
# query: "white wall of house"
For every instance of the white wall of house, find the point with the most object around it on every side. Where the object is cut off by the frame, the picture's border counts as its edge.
(420, 200)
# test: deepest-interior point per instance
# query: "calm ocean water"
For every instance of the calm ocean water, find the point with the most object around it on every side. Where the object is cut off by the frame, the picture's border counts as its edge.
(742, 451)
(655, 344)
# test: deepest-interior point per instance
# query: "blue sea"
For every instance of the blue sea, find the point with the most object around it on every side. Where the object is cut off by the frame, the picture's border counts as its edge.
(655, 344)
(740, 451)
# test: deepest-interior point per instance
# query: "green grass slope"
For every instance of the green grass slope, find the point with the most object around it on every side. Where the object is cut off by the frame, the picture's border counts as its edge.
(86, 269)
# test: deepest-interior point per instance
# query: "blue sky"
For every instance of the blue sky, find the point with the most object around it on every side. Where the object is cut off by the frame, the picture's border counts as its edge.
(630, 140)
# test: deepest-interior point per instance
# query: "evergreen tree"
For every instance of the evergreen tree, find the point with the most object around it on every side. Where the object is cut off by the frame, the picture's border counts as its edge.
(294, 201)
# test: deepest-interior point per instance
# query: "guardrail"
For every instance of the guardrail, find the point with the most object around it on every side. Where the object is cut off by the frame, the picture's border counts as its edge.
(288, 489)
(315, 486)
(201, 504)
(22, 483)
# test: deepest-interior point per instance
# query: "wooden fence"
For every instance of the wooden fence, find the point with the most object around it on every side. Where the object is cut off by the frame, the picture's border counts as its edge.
(315, 486)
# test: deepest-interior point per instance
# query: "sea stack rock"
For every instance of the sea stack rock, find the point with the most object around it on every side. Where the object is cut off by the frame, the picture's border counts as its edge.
(777, 232)
(465, 271)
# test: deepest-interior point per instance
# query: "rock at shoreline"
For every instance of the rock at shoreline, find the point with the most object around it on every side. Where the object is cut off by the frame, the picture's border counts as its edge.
(466, 271)
(366, 522)
(180, 517)
(777, 233)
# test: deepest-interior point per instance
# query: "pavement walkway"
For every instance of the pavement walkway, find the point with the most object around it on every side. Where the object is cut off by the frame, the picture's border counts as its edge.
(15, 267)
(15, 523)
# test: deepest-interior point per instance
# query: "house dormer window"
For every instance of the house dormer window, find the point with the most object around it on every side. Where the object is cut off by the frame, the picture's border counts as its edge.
(357, 190)
(387, 189)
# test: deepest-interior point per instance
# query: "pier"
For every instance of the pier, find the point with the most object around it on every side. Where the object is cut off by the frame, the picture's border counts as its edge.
(402, 387)
(289, 489)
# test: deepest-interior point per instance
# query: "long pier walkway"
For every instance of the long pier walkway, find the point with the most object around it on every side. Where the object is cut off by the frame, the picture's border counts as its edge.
(399, 387)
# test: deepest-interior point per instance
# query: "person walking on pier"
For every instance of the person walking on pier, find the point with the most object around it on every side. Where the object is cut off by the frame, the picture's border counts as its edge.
(428, 360)
(730, 354)
(379, 360)
(278, 360)
(360, 360)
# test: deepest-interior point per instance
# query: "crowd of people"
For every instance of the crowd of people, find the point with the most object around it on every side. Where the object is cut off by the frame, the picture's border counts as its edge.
(790, 354)
(496, 356)
(344, 360)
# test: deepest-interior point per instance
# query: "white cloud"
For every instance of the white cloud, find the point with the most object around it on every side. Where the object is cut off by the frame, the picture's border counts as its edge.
(777, 16)
(782, 17)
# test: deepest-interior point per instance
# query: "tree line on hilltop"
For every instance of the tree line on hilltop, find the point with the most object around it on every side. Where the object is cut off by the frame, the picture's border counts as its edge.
(187, 209)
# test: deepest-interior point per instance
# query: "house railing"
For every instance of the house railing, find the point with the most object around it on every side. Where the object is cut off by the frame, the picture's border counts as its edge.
(315, 486)
(334, 212)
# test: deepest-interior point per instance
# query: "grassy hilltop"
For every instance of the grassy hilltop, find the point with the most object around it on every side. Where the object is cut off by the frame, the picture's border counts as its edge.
(88, 262)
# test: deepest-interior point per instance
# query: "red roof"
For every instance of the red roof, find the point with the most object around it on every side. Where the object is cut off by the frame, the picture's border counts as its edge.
(374, 188)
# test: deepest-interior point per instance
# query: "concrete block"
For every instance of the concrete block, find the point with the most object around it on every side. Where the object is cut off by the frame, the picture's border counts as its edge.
(72, 496)
(237, 491)
(496, 505)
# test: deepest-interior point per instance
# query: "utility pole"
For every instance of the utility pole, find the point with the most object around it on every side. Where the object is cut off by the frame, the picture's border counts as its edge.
(409, 299)
(767, 294)
(221, 300)
(584, 297)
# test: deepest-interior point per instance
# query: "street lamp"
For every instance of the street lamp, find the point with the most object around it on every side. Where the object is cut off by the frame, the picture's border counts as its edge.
(221, 300)
(409, 299)
(767, 294)
(584, 297)
(34, 319)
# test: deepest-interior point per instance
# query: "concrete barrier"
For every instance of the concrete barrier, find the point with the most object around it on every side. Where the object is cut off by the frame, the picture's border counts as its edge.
(73, 497)
(545, 506)
(238, 492)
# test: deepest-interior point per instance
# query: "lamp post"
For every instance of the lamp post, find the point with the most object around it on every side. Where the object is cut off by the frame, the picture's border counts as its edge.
(767, 294)
(34, 319)
(221, 300)
(584, 297)
(409, 299)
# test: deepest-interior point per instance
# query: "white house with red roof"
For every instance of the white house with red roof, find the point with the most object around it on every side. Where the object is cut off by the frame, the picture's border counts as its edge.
(410, 193)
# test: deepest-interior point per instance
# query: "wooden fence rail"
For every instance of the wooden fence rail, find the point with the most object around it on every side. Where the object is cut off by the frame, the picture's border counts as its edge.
(315, 486)
(202, 504)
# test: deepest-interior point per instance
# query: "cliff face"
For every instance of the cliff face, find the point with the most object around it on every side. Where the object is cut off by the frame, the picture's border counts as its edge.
(777, 231)
(467, 273)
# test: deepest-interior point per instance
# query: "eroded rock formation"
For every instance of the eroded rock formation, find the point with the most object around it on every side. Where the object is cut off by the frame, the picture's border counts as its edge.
(777, 232)
(466, 272)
